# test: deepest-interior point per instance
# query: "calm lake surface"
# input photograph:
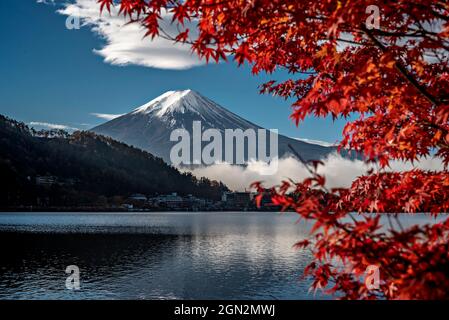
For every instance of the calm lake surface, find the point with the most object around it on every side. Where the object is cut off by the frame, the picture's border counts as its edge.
(154, 255)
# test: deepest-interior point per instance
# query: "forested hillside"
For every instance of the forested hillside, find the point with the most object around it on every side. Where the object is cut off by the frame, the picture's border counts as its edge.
(88, 169)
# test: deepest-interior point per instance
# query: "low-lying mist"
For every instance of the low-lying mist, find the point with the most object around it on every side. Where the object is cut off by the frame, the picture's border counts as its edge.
(339, 171)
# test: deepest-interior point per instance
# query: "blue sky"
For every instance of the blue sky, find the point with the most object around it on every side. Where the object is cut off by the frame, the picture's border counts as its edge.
(51, 74)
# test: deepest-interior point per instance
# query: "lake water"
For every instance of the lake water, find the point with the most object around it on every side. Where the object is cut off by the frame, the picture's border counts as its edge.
(154, 255)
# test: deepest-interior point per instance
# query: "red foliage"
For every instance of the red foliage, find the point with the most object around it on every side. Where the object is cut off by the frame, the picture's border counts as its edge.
(394, 78)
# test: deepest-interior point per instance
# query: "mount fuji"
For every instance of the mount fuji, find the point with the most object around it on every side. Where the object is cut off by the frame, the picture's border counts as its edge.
(149, 126)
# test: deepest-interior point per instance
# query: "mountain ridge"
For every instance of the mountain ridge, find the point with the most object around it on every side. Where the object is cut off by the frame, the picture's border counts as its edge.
(96, 166)
(149, 126)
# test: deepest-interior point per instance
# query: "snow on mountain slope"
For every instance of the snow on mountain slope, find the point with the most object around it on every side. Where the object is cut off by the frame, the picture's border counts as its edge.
(149, 126)
(173, 104)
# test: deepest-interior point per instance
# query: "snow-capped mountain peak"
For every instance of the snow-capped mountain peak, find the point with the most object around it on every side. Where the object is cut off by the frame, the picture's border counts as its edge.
(149, 127)
(179, 101)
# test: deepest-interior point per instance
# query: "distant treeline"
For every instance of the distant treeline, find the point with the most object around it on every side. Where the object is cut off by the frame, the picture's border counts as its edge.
(86, 168)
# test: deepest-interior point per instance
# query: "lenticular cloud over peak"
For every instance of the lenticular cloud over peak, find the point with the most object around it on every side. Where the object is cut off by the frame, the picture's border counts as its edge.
(125, 44)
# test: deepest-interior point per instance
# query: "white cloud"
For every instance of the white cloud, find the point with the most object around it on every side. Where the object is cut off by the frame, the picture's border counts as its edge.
(339, 172)
(47, 125)
(125, 43)
(106, 116)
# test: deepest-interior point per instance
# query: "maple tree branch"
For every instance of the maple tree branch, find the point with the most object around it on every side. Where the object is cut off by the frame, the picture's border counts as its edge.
(399, 222)
(402, 70)
(421, 89)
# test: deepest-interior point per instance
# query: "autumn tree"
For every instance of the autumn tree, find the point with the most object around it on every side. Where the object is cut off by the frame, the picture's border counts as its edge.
(385, 64)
